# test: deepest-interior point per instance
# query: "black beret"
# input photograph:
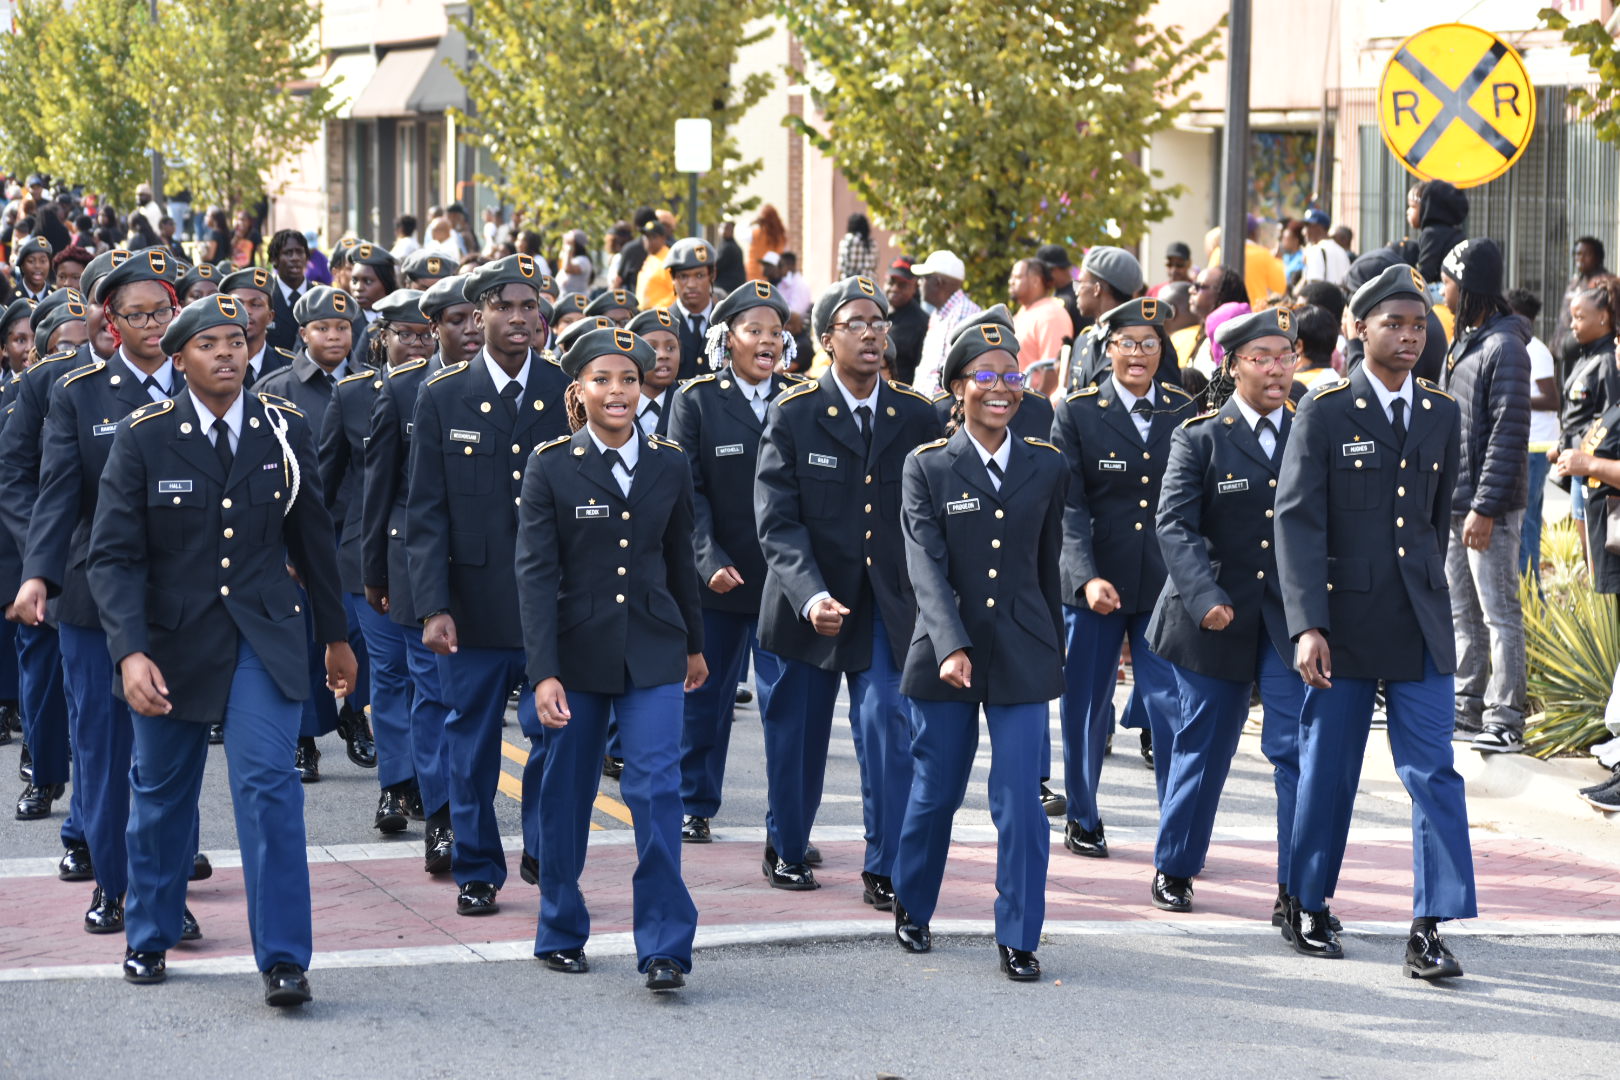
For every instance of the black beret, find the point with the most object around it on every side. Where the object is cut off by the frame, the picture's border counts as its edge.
(254, 277)
(427, 264)
(996, 313)
(746, 297)
(147, 264)
(607, 341)
(548, 286)
(512, 270)
(613, 299)
(441, 296)
(1233, 334)
(20, 308)
(402, 306)
(843, 292)
(368, 254)
(656, 320)
(340, 253)
(1143, 311)
(570, 302)
(1396, 282)
(194, 274)
(205, 314)
(55, 299)
(34, 245)
(972, 342)
(689, 254)
(570, 333)
(45, 325)
(100, 267)
(325, 302)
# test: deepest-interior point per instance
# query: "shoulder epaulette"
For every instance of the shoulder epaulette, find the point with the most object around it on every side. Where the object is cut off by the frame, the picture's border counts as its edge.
(1078, 394)
(146, 412)
(558, 441)
(797, 392)
(1033, 441)
(935, 445)
(549, 357)
(794, 377)
(1322, 391)
(1290, 406)
(1172, 388)
(453, 369)
(65, 354)
(663, 440)
(409, 365)
(357, 376)
(694, 380)
(1433, 389)
(288, 353)
(275, 401)
(904, 389)
(79, 373)
(1201, 416)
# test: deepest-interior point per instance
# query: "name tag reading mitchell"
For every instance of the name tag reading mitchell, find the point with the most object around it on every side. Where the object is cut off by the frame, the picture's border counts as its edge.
(1111, 466)
(1353, 448)
(962, 506)
(826, 461)
(104, 429)
(730, 450)
(170, 487)
(458, 435)
(590, 512)
(1231, 485)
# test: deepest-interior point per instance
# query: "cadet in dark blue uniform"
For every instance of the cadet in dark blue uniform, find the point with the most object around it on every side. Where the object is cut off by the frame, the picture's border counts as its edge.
(569, 308)
(373, 274)
(617, 305)
(657, 402)
(475, 426)
(205, 499)
(1116, 436)
(382, 544)
(1219, 620)
(16, 342)
(718, 420)
(257, 289)
(983, 523)
(691, 266)
(197, 282)
(1363, 508)
(837, 599)
(608, 594)
(424, 268)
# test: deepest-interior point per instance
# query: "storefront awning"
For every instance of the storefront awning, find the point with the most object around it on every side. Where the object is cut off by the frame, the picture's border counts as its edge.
(440, 89)
(397, 77)
(347, 77)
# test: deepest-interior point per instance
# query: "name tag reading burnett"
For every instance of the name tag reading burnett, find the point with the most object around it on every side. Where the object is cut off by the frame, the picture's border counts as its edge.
(1231, 485)
(458, 435)
(1111, 466)
(590, 512)
(104, 429)
(731, 450)
(1353, 448)
(962, 506)
(170, 487)
(826, 461)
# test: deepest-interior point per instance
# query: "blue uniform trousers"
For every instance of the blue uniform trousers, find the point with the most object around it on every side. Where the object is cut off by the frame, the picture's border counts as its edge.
(665, 919)
(476, 684)
(1207, 727)
(261, 732)
(1090, 673)
(320, 711)
(390, 692)
(44, 709)
(102, 740)
(944, 742)
(427, 719)
(728, 638)
(1334, 724)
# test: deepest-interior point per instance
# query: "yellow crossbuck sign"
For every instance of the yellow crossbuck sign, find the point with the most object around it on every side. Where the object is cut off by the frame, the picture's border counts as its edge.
(1455, 103)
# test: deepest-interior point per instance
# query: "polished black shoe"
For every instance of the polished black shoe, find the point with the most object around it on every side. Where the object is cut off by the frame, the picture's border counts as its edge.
(612, 767)
(5, 732)
(1279, 912)
(413, 802)
(10, 720)
(201, 868)
(812, 855)
(744, 695)
(477, 898)
(307, 760)
(354, 728)
(75, 864)
(25, 765)
(439, 848)
(1054, 803)
(695, 830)
(1019, 965)
(106, 914)
(145, 967)
(912, 937)
(35, 802)
(285, 986)
(393, 812)
(664, 975)
(1088, 842)
(529, 869)
(567, 961)
(1171, 893)
(190, 928)
(216, 734)
(1308, 932)
(795, 877)
(1147, 748)
(1428, 958)
(877, 890)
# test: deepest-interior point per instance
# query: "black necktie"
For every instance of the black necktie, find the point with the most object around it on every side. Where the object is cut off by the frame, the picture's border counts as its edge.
(613, 459)
(1260, 429)
(1142, 410)
(994, 468)
(150, 383)
(1398, 408)
(863, 420)
(696, 322)
(249, 377)
(653, 407)
(510, 393)
(222, 445)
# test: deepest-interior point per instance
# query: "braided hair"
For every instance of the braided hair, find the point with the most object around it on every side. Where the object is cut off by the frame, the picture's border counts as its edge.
(377, 347)
(958, 416)
(574, 406)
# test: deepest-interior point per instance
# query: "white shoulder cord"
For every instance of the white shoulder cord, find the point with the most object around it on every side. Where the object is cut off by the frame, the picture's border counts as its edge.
(289, 460)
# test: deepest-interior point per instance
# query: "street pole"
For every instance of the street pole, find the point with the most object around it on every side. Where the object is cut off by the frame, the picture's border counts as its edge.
(157, 158)
(692, 207)
(1235, 152)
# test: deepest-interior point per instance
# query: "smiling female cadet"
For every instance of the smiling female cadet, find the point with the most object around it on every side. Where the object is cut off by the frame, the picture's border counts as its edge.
(608, 595)
(983, 520)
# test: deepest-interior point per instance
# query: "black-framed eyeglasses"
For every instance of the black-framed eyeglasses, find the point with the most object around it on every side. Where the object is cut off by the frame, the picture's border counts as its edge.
(984, 380)
(411, 337)
(142, 319)
(861, 326)
(1132, 347)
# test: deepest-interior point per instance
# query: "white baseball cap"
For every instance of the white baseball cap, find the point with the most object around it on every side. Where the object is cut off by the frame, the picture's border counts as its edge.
(941, 262)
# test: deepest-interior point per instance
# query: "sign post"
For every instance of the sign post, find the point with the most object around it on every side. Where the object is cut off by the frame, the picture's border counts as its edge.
(694, 153)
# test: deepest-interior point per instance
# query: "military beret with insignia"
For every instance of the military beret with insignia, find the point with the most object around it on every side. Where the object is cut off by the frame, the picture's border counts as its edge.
(607, 341)
(746, 297)
(195, 274)
(691, 253)
(844, 292)
(427, 265)
(366, 253)
(34, 245)
(253, 277)
(1233, 334)
(401, 306)
(1398, 282)
(52, 300)
(441, 296)
(512, 270)
(20, 308)
(613, 300)
(47, 324)
(972, 342)
(568, 334)
(571, 303)
(147, 264)
(220, 309)
(996, 313)
(100, 267)
(652, 322)
(325, 302)
(1143, 311)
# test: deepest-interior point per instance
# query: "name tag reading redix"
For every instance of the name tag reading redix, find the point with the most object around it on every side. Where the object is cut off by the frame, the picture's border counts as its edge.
(730, 450)
(590, 512)
(1231, 485)
(962, 506)
(826, 461)
(458, 435)
(170, 487)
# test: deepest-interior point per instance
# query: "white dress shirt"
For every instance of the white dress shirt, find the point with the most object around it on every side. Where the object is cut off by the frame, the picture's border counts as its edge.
(232, 418)
(629, 454)
(1001, 457)
(1128, 400)
(1251, 416)
(163, 376)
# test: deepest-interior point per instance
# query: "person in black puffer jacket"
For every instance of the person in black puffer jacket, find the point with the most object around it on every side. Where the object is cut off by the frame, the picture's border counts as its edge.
(1437, 211)
(1488, 372)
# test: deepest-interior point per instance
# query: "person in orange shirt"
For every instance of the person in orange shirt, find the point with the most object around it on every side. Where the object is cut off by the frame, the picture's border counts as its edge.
(1262, 271)
(1042, 322)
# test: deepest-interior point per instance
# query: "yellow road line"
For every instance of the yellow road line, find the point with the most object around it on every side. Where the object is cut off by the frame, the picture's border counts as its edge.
(512, 787)
(613, 808)
(514, 753)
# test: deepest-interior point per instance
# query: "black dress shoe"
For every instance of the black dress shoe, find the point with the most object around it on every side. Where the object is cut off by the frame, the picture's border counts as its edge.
(75, 864)
(5, 732)
(1053, 803)
(812, 855)
(216, 734)
(1171, 893)
(35, 802)
(1019, 965)
(1308, 932)
(201, 868)
(795, 877)
(877, 890)
(612, 767)
(567, 961)
(106, 914)
(1088, 842)
(10, 720)
(190, 928)
(145, 967)
(285, 986)
(1147, 747)
(392, 811)
(307, 760)
(695, 830)
(744, 695)
(413, 801)
(912, 937)
(477, 898)
(529, 869)
(354, 728)
(1428, 958)
(439, 848)
(25, 765)
(664, 975)
(1279, 912)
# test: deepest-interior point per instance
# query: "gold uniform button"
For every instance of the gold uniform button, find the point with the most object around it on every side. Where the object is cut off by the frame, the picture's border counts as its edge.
(278, 494)
(869, 560)
(869, 534)
(625, 516)
(1401, 491)
(391, 532)
(1435, 467)
(297, 608)
(229, 533)
(869, 478)
(1260, 574)
(224, 590)
(225, 564)
(1147, 479)
(1138, 526)
(466, 450)
(1147, 456)
(868, 508)
(1358, 463)
(1000, 514)
(619, 599)
(1271, 513)
(1271, 483)
(517, 502)
(621, 571)
(992, 572)
(1401, 552)
(177, 500)
(1143, 504)
(517, 449)
(517, 474)
(995, 543)
(226, 503)
(624, 543)
(990, 601)
(1330, 586)
(1403, 463)
(1400, 523)
(1264, 544)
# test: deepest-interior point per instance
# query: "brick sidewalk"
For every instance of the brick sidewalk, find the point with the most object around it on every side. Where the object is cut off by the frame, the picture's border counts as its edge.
(389, 904)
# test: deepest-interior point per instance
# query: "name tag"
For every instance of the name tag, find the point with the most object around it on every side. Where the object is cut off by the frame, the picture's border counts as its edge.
(104, 429)
(409, 427)
(1353, 448)
(590, 512)
(1231, 485)
(962, 506)
(458, 435)
(1111, 466)
(824, 460)
(170, 487)
(728, 451)
(270, 465)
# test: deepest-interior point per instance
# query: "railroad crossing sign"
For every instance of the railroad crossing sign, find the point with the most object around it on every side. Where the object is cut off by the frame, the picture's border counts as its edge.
(1455, 103)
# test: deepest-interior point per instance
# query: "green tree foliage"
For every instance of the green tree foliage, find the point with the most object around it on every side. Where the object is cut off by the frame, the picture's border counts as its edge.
(22, 147)
(987, 127)
(1591, 40)
(576, 100)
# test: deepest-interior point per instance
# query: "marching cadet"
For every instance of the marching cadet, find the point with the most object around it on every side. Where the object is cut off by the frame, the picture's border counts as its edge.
(288, 252)
(256, 288)
(328, 321)
(16, 345)
(608, 596)
(402, 335)
(569, 309)
(96, 316)
(657, 401)
(615, 304)
(197, 282)
(1116, 437)
(339, 263)
(1363, 516)
(17, 334)
(382, 546)
(1219, 621)
(983, 520)
(373, 274)
(60, 328)
(475, 425)
(423, 269)
(718, 419)
(33, 262)
(205, 499)
(691, 268)
(837, 599)
(1108, 277)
